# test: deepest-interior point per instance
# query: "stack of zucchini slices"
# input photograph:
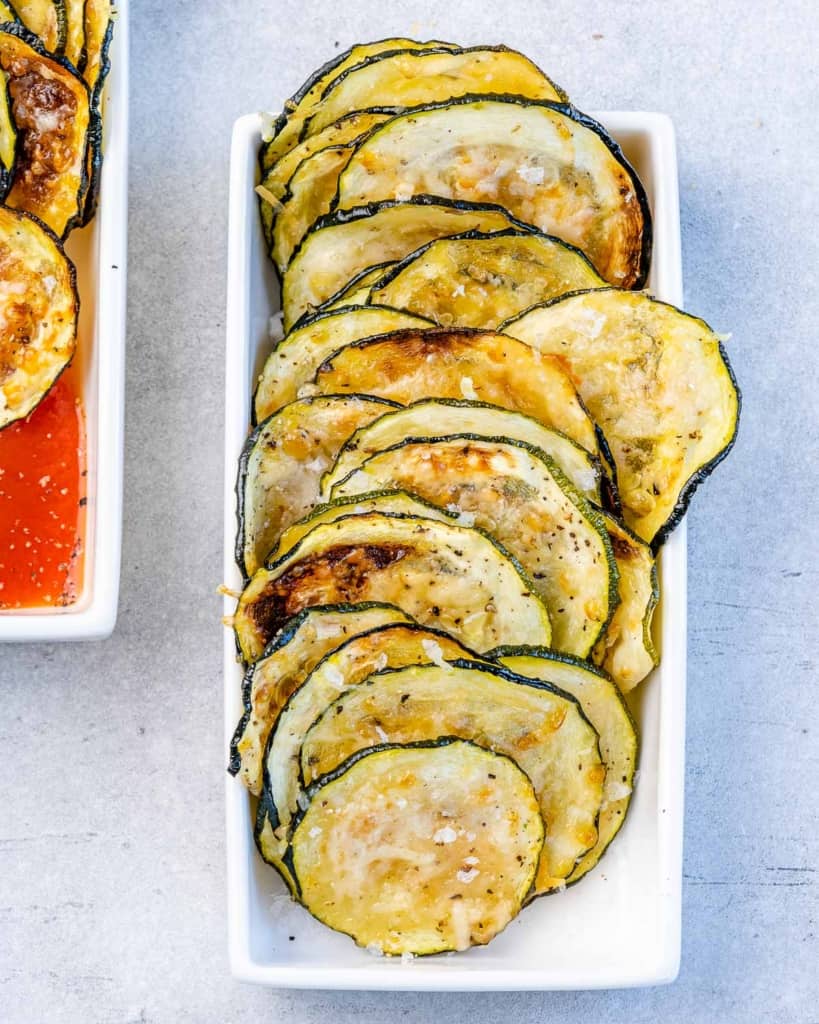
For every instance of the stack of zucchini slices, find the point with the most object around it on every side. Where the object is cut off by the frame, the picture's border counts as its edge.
(467, 447)
(53, 63)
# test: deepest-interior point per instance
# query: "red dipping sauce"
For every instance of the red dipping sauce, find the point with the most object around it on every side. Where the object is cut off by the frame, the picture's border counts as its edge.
(42, 503)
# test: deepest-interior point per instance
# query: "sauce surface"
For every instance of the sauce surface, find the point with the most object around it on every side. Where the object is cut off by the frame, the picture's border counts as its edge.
(42, 502)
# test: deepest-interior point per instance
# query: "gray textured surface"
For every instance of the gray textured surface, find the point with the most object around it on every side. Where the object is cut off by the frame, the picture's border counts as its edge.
(111, 813)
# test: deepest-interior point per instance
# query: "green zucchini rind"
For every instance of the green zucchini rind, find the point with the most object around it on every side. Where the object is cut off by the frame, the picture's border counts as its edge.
(38, 313)
(294, 361)
(540, 726)
(270, 848)
(391, 646)
(545, 162)
(479, 279)
(443, 417)
(288, 127)
(49, 121)
(458, 579)
(285, 663)
(345, 242)
(626, 651)
(410, 365)
(282, 463)
(605, 708)
(46, 19)
(519, 495)
(357, 291)
(381, 856)
(409, 79)
(659, 384)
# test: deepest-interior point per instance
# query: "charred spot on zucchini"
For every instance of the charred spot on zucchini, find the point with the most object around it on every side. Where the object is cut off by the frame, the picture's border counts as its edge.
(343, 243)
(480, 279)
(539, 726)
(409, 365)
(443, 575)
(294, 361)
(374, 858)
(546, 163)
(38, 313)
(282, 463)
(285, 663)
(605, 708)
(391, 646)
(517, 493)
(658, 383)
(409, 79)
(443, 417)
(50, 108)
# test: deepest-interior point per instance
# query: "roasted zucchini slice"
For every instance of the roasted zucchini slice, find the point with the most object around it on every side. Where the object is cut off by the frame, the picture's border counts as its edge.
(538, 725)
(518, 495)
(480, 280)
(549, 165)
(408, 79)
(626, 650)
(38, 313)
(50, 108)
(282, 463)
(605, 708)
(407, 366)
(390, 646)
(344, 243)
(74, 31)
(8, 137)
(658, 383)
(441, 417)
(95, 64)
(443, 575)
(46, 19)
(416, 850)
(288, 128)
(296, 358)
(399, 502)
(287, 661)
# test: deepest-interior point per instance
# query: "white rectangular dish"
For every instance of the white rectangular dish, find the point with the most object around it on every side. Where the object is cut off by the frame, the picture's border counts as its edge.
(621, 927)
(99, 253)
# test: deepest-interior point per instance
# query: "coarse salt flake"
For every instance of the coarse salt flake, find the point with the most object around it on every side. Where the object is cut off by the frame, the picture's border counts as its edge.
(467, 876)
(444, 836)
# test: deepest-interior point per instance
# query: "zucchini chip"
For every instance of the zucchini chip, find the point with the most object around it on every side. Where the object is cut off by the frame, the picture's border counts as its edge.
(480, 280)
(390, 646)
(626, 651)
(288, 128)
(539, 726)
(50, 107)
(605, 708)
(38, 313)
(518, 495)
(440, 574)
(399, 502)
(46, 19)
(417, 850)
(408, 79)
(549, 165)
(658, 383)
(296, 358)
(287, 661)
(440, 418)
(344, 243)
(407, 366)
(282, 463)
(8, 137)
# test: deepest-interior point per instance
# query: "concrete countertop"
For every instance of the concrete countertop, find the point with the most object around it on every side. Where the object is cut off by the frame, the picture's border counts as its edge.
(112, 905)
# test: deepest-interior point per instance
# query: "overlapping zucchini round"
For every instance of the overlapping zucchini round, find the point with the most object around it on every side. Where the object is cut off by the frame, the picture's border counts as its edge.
(282, 463)
(658, 383)
(408, 366)
(38, 313)
(47, 19)
(541, 727)
(357, 291)
(518, 494)
(419, 849)
(546, 163)
(443, 575)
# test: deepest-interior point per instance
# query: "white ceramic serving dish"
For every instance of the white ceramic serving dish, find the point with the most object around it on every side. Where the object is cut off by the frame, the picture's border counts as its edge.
(99, 253)
(621, 926)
